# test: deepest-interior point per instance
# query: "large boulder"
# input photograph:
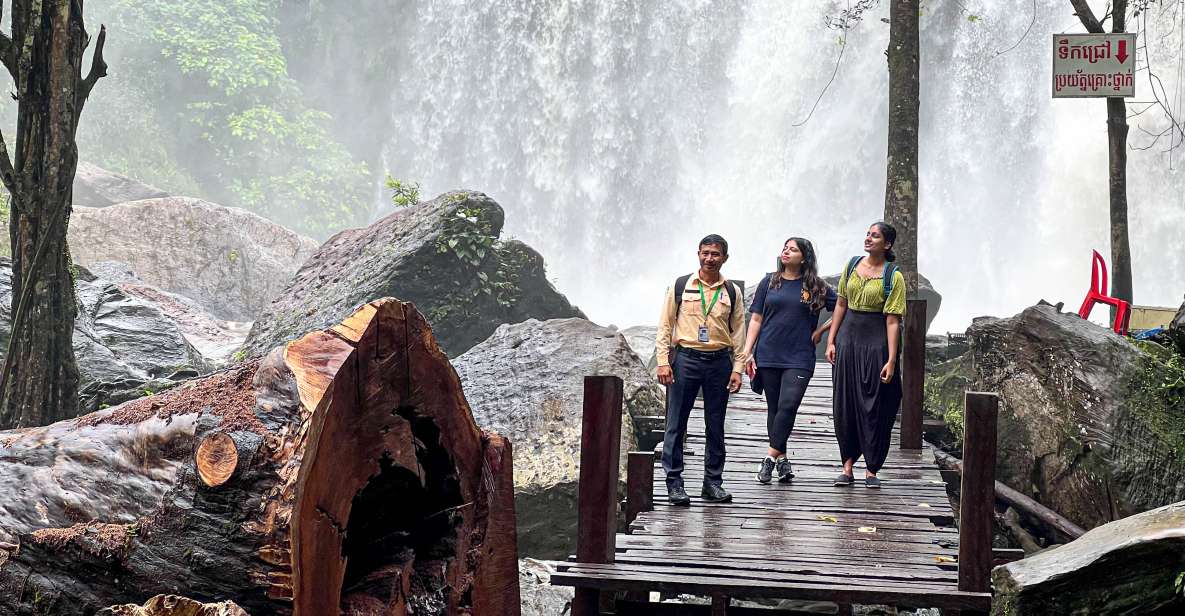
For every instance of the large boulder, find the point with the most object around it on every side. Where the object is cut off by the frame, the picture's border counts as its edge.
(98, 187)
(230, 261)
(443, 255)
(1130, 566)
(539, 597)
(125, 346)
(1177, 329)
(641, 340)
(1090, 425)
(216, 339)
(526, 382)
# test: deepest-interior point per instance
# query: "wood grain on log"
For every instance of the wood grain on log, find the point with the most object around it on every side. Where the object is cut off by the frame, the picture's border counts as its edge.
(216, 459)
(361, 483)
(172, 605)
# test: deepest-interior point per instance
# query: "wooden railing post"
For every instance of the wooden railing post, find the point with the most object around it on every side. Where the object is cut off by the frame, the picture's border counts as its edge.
(977, 492)
(913, 373)
(639, 484)
(596, 500)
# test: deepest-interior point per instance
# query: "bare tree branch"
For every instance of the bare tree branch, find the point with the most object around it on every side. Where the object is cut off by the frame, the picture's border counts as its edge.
(7, 173)
(851, 15)
(1023, 36)
(1082, 10)
(98, 68)
(843, 44)
(8, 54)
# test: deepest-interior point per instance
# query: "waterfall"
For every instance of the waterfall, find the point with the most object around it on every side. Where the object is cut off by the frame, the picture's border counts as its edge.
(617, 133)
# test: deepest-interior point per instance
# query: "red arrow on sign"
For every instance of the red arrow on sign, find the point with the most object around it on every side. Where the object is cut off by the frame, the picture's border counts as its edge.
(1122, 55)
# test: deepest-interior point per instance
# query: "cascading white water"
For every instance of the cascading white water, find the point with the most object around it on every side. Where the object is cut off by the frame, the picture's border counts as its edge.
(617, 133)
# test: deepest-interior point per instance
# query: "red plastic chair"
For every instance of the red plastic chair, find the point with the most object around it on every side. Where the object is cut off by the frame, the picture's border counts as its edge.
(1096, 295)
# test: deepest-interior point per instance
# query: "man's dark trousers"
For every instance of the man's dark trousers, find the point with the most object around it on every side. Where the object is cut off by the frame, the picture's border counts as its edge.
(694, 370)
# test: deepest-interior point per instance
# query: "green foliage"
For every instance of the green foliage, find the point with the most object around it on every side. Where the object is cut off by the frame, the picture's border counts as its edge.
(468, 235)
(943, 393)
(1179, 585)
(238, 356)
(233, 255)
(943, 407)
(973, 18)
(1158, 396)
(403, 193)
(201, 102)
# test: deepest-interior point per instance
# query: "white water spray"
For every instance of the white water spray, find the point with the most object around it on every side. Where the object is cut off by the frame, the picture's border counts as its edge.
(617, 133)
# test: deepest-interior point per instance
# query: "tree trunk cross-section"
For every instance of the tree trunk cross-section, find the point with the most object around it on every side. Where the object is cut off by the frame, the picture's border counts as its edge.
(342, 473)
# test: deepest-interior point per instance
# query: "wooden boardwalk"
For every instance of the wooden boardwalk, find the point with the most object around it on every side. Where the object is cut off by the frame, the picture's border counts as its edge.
(806, 539)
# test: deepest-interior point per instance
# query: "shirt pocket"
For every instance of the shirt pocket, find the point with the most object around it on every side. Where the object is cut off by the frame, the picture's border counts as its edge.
(723, 305)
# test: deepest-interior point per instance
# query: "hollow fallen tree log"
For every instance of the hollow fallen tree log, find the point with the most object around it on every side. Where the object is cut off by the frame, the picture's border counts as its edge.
(340, 473)
(1065, 529)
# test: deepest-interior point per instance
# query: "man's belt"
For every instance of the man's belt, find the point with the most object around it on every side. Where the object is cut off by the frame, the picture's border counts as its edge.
(706, 355)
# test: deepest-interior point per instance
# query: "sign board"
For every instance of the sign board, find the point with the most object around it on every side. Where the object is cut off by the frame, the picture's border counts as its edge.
(1087, 65)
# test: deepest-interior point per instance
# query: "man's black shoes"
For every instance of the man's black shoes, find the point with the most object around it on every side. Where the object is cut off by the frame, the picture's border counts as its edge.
(716, 494)
(678, 496)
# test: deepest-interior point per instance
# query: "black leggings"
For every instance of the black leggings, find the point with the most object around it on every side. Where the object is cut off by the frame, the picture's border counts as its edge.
(784, 388)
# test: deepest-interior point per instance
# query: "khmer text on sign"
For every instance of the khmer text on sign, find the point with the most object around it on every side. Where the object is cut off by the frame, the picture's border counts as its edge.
(1094, 65)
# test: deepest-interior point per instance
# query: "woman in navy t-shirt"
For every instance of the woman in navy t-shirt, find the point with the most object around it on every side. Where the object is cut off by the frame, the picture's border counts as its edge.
(785, 329)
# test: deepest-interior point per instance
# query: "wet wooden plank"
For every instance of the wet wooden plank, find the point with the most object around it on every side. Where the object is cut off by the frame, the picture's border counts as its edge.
(806, 539)
(680, 582)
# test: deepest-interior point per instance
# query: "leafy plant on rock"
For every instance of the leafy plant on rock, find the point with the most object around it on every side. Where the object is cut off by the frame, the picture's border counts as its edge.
(403, 194)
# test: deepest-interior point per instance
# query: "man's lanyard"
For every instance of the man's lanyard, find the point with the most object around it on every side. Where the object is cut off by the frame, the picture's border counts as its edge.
(703, 303)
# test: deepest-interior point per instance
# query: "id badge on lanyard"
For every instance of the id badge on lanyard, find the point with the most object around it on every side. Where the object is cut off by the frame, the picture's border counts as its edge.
(703, 329)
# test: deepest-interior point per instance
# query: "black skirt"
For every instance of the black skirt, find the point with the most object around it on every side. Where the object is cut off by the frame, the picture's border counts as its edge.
(864, 408)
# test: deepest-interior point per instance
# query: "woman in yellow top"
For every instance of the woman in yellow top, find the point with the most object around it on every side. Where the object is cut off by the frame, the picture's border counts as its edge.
(865, 335)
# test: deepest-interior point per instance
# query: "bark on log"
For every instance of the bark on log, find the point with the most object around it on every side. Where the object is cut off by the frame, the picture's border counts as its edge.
(362, 486)
(1065, 529)
(170, 605)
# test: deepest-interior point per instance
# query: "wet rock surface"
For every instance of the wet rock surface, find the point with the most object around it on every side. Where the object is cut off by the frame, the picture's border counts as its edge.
(443, 255)
(229, 261)
(539, 597)
(126, 347)
(1129, 566)
(526, 382)
(98, 187)
(1086, 425)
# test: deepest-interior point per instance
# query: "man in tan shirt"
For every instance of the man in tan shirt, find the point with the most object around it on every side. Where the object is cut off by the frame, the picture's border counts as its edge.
(703, 330)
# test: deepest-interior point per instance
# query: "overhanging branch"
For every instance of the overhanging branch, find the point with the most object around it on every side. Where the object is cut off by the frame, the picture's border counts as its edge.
(98, 68)
(7, 173)
(1082, 10)
(8, 54)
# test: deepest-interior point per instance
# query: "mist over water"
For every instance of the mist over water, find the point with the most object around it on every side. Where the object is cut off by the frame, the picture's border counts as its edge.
(616, 134)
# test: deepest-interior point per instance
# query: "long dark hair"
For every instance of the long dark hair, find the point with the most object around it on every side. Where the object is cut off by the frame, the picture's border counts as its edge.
(812, 286)
(890, 234)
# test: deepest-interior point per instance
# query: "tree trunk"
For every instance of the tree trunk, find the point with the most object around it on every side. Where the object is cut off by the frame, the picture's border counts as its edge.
(1121, 254)
(901, 187)
(342, 473)
(40, 379)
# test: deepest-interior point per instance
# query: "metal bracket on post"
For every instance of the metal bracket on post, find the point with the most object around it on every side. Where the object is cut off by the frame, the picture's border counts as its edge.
(596, 501)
